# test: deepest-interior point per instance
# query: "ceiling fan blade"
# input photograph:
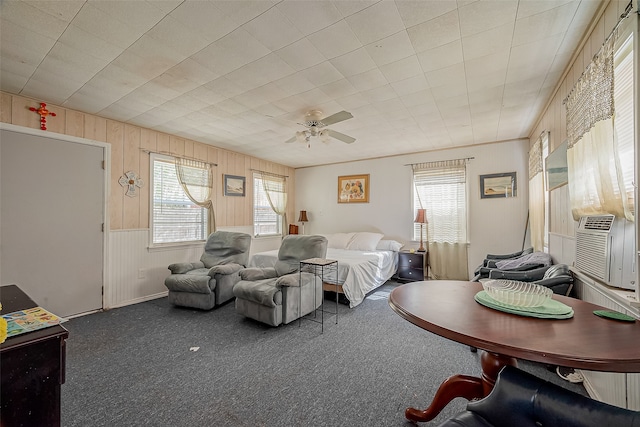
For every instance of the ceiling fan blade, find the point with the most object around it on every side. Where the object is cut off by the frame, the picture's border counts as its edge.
(341, 136)
(337, 117)
(292, 139)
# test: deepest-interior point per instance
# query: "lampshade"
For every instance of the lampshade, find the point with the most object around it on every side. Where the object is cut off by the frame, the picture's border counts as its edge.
(303, 216)
(421, 216)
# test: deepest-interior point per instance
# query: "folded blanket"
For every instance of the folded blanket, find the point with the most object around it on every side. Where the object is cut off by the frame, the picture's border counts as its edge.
(540, 259)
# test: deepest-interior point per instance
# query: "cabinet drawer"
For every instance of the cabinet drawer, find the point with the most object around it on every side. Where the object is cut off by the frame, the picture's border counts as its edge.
(411, 274)
(409, 260)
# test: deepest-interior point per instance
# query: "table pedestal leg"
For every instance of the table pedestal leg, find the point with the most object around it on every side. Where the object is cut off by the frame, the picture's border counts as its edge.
(463, 386)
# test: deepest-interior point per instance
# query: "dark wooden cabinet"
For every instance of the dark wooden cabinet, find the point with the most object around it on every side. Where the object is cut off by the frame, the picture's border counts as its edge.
(411, 266)
(33, 369)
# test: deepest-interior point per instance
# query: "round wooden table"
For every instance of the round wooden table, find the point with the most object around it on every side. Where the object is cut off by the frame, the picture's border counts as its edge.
(447, 308)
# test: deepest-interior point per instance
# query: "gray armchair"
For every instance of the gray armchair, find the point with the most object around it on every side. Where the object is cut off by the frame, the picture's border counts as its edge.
(281, 294)
(209, 282)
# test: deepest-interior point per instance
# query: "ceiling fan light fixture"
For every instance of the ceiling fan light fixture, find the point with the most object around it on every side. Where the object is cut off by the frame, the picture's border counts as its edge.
(324, 136)
(301, 136)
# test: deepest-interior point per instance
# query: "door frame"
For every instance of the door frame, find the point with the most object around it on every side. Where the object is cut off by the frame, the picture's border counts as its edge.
(106, 150)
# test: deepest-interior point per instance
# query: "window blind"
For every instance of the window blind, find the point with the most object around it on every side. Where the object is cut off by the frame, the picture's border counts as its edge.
(175, 218)
(441, 190)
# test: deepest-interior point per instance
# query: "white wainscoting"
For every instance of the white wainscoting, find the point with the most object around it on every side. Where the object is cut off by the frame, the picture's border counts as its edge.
(615, 388)
(136, 273)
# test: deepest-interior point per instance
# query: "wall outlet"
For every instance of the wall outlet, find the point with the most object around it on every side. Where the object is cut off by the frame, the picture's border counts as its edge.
(142, 274)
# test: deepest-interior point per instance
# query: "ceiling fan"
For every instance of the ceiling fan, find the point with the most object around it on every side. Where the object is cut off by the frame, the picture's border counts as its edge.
(315, 128)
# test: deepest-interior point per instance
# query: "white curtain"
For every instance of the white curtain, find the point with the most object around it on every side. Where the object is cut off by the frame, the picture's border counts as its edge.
(596, 179)
(275, 187)
(440, 188)
(196, 179)
(536, 194)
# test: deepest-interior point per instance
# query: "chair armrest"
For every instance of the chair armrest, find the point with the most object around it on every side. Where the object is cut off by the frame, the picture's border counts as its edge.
(183, 267)
(508, 256)
(257, 273)
(522, 276)
(225, 269)
(295, 279)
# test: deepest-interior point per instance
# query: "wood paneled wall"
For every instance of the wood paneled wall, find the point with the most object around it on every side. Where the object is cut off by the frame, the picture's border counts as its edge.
(127, 145)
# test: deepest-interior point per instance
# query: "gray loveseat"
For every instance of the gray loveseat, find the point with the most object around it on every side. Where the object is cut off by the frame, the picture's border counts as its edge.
(209, 282)
(281, 294)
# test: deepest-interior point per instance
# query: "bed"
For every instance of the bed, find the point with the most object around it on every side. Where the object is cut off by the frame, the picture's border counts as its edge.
(365, 262)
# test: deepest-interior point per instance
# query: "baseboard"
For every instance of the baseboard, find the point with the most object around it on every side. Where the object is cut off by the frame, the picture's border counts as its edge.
(139, 300)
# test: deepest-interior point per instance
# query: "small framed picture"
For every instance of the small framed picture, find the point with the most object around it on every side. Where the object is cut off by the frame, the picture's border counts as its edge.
(353, 189)
(234, 185)
(498, 185)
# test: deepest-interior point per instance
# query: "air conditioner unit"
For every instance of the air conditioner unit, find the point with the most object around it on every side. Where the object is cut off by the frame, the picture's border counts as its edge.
(605, 250)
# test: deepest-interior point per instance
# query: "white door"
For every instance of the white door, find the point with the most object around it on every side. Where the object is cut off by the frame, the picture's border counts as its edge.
(51, 215)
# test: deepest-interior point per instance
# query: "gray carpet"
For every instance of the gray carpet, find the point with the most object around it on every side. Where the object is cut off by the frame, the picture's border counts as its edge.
(135, 366)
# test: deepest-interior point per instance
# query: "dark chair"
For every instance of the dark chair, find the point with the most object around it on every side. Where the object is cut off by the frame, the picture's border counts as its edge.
(209, 282)
(523, 262)
(524, 400)
(556, 277)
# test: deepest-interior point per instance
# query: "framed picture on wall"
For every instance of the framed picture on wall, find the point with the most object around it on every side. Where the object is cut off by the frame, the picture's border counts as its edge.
(353, 189)
(498, 185)
(234, 185)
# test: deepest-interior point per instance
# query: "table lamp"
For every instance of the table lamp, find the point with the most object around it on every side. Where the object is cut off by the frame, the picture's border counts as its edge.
(421, 218)
(303, 219)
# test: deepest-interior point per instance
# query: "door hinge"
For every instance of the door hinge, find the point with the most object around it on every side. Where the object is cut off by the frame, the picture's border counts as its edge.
(103, 165)
(102, 227)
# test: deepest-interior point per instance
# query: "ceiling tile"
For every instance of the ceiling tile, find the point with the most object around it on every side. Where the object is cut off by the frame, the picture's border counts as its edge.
(442, 56)
(223, 56)
(262, 29)
(33, 19)
(489, 42)
(301, 55)
(368, 80)
(436, 32)
(481, 16)
(335, 40)
(321, 74)
(419, 11)
(410, 85)
(391, 49)
(376, 22)
(354, 62)
(310, 16)
(545, 24)
(402, 69)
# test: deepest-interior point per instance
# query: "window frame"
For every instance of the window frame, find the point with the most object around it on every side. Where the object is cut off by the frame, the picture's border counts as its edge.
(464, 200)
(258, 190)
(153, 157)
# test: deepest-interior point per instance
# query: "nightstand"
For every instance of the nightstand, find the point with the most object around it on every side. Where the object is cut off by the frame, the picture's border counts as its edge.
(411, 266)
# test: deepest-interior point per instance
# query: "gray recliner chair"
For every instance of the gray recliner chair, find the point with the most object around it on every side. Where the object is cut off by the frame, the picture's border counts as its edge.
(209, 282)
(282, 294)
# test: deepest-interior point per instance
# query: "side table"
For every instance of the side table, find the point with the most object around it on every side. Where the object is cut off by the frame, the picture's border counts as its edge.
(412, 266)
(312, 265)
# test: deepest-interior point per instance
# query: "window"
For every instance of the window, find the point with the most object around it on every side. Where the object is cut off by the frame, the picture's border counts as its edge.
(174, 217)
(440, 188)
(266, 222)
(623, 101)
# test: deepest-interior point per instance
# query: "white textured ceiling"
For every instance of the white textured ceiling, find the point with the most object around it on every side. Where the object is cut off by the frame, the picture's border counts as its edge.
(416, 75)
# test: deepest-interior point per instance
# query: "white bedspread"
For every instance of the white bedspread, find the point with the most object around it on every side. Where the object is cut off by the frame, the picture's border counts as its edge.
(359, 272)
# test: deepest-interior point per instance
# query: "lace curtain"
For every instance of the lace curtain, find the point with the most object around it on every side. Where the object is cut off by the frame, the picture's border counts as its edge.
(595, 186)
(536, 193)
(440, 188)
(275, 187)
(196, 179)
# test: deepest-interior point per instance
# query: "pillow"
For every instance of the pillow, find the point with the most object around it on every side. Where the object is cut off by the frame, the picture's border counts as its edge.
(365, 241)
(389, 245)
(339, 240)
